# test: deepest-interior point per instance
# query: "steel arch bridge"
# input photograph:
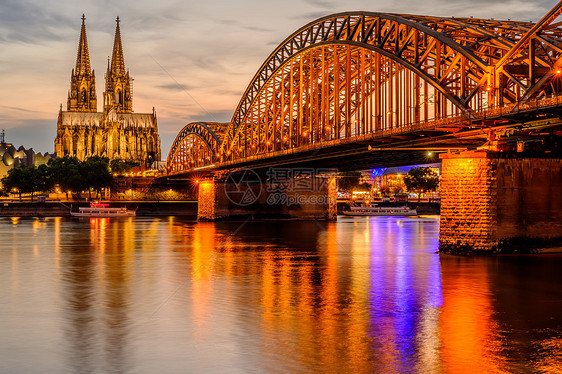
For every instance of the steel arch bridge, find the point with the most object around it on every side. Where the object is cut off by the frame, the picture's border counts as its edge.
(195, 145)
(361, 75)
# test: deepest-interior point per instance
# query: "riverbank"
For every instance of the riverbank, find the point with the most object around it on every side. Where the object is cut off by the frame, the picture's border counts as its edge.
(145, 208)
(62, 208)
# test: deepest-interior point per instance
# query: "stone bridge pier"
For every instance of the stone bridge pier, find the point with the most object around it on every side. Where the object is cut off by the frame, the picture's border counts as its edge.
(246, 194)
(494, 202)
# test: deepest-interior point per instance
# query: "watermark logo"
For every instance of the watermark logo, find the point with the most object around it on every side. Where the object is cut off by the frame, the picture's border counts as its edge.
(298, 186)
(283, 186)
(243, 187)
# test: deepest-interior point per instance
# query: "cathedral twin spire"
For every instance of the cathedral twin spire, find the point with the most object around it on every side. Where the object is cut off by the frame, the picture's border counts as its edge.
(83, 58)
(117, 95)
(117, 60)
(82, 94)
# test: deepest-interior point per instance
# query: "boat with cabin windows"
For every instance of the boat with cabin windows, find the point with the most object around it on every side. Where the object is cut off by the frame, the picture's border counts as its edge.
(97, 209)
(380, 211)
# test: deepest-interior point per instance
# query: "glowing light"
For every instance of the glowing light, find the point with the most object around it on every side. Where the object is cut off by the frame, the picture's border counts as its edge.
(429, 153)
(558, 71)
(206, 199)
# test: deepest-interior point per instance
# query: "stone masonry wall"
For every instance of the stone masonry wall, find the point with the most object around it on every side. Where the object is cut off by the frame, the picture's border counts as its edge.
(493, 199)
(206, 203)
(529, 198)
(467, 202)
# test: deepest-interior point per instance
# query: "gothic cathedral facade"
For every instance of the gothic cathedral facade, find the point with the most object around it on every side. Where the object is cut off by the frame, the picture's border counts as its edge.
(116, 132)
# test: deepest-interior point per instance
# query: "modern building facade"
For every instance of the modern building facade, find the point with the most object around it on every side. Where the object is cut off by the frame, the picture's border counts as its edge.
(115, 132)
(11, 157)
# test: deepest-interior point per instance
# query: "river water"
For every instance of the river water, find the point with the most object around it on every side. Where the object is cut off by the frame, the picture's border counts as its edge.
(361, 295)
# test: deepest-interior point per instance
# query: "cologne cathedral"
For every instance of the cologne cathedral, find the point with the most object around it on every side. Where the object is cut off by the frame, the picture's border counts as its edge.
(116, 132)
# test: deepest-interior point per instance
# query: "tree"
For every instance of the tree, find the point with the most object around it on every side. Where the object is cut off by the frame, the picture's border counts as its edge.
(95, 174)
(14, 180)
(64, 171)
(26, 180)
(122, 166)
(421, 179)
(385, 191)
(70, 174)
(349, 181)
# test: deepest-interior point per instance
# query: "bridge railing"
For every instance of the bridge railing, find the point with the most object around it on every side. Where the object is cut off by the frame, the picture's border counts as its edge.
(491, 112)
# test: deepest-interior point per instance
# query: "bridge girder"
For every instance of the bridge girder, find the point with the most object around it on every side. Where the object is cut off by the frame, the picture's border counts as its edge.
(357, 73)
(196, 145)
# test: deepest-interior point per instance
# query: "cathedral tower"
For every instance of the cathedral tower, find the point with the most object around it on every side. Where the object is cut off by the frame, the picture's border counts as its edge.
(116, 132)
(118, 93)
(82, 94)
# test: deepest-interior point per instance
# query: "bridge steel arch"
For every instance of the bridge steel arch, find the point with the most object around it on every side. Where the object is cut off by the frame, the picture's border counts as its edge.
(357, 73)
(354, 73)
(196, 145)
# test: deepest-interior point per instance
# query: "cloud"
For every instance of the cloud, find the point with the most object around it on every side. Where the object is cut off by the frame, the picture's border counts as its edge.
(176, 87)
(210, 49)
(321, 4)
(311, 16)
(44, 132)
(18, 109)
(257, 29)
(213, 116)
(241, 25)
(29, 23)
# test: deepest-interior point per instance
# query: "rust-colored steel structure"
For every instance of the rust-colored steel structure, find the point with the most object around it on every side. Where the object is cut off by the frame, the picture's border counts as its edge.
(195, 146)
(356, 74)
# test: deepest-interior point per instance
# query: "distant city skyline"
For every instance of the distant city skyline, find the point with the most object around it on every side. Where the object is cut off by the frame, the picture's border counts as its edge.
(191, 61)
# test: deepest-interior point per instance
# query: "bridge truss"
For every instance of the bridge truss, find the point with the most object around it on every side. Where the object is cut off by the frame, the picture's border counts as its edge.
(350, 75)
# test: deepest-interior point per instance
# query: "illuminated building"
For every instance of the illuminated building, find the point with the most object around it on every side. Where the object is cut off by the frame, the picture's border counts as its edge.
(11, 156)
(116, 132)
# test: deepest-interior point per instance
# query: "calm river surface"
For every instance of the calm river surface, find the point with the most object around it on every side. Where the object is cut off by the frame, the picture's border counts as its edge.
(361, 295)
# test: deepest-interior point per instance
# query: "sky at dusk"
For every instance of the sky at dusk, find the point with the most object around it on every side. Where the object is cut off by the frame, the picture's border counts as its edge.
(191, 60)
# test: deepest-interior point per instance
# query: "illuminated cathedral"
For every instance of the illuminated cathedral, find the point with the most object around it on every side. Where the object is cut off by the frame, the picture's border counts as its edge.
(116, 132)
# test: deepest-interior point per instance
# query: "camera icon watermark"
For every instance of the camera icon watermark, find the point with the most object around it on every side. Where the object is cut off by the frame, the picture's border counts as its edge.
(243, 187)
(281, 186)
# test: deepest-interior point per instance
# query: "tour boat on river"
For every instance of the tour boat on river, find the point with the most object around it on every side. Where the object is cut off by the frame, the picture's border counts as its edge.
(103, 210)
(380, 211)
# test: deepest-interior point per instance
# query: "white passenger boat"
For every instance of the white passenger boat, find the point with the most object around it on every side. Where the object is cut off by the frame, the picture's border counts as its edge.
(103, 210)
(380, 211)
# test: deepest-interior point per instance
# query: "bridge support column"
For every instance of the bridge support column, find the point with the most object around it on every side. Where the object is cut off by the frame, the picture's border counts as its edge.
(246, 197)
(495, 202)
(207, 200)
